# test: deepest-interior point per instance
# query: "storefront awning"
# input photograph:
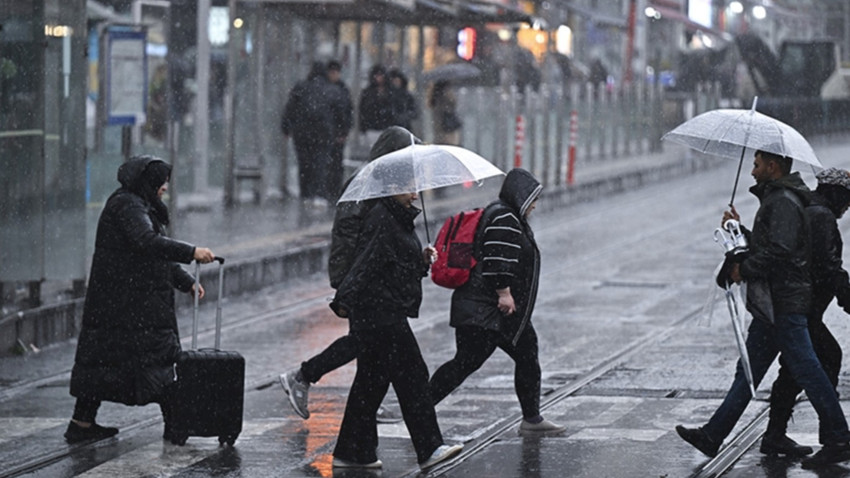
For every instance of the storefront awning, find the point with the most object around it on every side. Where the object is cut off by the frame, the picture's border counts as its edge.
(402, 12)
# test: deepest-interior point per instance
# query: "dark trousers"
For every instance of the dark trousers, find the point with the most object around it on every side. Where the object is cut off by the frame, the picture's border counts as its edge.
(313, 162)
(85, 410)
(474, 346)
(340, 352)
(390, 355)
(784, 392)
(335, 172)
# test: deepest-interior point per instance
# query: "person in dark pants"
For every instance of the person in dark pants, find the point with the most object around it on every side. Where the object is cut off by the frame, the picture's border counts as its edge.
(829, 280)
(375, 107)
(343, 118)
(309, 117)
(344, 236)
(493, 309)
(405, 109)
(129, 339)
(776, 270)
(378, 295)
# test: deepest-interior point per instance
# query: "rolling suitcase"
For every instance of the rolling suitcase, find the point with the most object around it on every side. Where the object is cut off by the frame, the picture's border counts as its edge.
(207, 396)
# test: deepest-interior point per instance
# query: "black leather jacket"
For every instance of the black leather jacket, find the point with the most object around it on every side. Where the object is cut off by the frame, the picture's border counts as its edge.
(829, 279)
(779, 246)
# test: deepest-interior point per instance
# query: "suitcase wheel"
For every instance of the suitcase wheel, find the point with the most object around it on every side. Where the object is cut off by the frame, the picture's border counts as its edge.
(179, 440)
(230, 440)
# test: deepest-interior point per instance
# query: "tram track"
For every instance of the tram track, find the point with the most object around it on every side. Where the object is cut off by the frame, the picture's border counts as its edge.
(316, 299)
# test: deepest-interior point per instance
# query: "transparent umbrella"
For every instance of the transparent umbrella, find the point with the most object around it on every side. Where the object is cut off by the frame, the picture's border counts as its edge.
(416, 168)
(730, 132)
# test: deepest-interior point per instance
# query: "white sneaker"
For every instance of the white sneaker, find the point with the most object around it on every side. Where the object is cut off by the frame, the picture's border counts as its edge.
(297, 391)
(388, 415)
(544, 428)
(340, 463)
(441, 454)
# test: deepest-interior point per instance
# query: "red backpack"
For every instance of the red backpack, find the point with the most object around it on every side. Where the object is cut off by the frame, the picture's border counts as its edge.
(455, 247)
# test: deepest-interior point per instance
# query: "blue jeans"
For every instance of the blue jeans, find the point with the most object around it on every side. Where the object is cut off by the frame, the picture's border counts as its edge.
(790, 337)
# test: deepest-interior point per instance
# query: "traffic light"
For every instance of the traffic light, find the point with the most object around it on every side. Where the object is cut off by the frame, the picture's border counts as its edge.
(466, 43)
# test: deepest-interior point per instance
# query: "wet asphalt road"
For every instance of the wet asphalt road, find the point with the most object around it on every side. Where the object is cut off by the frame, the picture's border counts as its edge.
(627, 347)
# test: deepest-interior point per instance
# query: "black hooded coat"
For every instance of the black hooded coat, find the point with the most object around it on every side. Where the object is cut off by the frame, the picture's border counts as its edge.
(129, 338)
(507, 257)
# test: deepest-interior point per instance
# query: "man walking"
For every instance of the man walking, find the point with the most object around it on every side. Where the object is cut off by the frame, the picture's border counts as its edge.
(777, 267)
(829, 280)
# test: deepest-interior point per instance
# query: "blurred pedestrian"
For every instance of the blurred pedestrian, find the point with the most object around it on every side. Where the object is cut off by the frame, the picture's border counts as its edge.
(779, 290)
(375, 109)
(344, 237)
(405, 109)
(309, 118)
(156, 123)
(493, 309)
(829, 280)
(381, 291)
(343, 118)
(446, 123)
(129, 339)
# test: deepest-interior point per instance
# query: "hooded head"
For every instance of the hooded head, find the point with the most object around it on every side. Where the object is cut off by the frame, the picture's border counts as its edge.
(834, 185)
(144, 175)
(374, 72)
(520, 190)
(318, 69)
(392, 139)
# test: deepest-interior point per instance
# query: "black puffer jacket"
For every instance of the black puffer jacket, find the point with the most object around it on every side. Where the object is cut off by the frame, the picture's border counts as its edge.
(829, 279)
(350, 214)
(129, 323)
(779, 246)
(312, 109)
(384, 285)
(509, 257)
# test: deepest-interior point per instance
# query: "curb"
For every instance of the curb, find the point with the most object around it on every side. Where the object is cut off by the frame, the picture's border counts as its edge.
(36, 328)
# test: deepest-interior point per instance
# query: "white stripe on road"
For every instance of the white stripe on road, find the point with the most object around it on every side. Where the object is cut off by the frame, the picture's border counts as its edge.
(162, 459)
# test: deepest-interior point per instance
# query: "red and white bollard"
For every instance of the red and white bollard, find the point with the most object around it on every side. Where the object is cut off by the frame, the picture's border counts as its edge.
(519, 140)
(571, 159)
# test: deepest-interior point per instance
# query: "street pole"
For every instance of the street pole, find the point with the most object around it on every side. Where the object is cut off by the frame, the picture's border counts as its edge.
(230, 106)
(202, 106)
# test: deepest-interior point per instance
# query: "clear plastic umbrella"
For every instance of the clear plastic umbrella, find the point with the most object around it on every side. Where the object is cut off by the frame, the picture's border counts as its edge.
(730, 132)
(416, 168)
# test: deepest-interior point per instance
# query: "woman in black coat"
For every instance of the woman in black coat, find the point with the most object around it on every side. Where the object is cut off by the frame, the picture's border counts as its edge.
(379, 293)
(494, 308)
(129, 338)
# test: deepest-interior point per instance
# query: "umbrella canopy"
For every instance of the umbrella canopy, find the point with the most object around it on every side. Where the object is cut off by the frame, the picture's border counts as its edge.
(416, 168)
(730, 132)
(452, 72)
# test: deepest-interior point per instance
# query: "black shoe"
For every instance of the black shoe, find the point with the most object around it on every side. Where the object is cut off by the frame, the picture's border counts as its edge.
(699, 440)
(76, 433)
(828, 455)
(783, 445)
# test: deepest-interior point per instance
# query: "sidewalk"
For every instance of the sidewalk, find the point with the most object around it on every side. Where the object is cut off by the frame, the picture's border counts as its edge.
(282, 239)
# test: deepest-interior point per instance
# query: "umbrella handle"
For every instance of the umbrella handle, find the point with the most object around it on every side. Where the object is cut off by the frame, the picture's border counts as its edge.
(425, 218)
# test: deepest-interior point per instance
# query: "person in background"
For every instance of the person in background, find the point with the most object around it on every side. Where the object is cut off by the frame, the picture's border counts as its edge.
(405, 109)
(493, 309)
(375, 110)
(829, 280)
(310, 119)
(446, 123)
(343, 118)
(129, 339)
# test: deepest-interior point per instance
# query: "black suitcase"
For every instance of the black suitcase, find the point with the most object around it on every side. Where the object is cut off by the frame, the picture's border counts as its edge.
(208, 394)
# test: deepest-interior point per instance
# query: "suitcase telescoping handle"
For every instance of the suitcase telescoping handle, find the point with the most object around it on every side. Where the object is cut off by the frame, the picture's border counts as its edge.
(220, 261)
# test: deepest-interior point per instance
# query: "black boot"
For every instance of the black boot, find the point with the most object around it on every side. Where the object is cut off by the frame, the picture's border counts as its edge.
(76, 433)
(699, 440)
(783, 445)
(828, 455)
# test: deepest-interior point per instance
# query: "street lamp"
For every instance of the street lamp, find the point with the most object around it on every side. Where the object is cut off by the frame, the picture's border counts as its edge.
(759, 12)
